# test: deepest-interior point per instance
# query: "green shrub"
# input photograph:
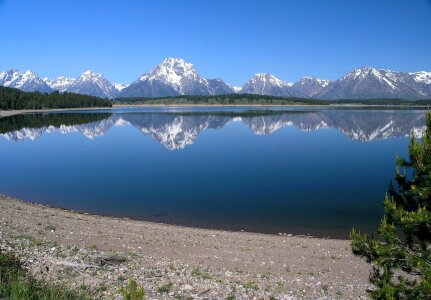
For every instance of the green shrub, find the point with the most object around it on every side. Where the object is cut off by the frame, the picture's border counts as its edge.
(132, 291)
(17, 284)
(165, 288)
(403, 242)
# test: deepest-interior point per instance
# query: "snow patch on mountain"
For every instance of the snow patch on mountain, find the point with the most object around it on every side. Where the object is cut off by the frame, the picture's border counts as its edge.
(236, 89)
(120, 86)
(28, 81)
(94, 84)
(310, 86)
(267, 84)
(422, 77)
(60, 84)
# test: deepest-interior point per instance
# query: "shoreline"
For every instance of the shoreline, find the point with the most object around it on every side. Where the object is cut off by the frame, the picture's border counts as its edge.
(67, 247)
(270, 105)
(147, 222)
(143, 220)
(7, 113)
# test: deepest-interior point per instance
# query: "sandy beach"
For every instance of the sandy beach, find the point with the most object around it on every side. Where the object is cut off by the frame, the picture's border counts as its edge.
(103, 253)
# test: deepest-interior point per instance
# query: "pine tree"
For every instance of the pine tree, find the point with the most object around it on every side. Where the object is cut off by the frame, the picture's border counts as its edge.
(401, 251)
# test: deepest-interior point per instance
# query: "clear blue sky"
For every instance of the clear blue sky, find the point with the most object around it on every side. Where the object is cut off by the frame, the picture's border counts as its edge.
(228, 39)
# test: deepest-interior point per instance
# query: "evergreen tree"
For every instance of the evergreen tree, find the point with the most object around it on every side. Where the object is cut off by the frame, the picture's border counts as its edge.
(401, 251)
(11, 98)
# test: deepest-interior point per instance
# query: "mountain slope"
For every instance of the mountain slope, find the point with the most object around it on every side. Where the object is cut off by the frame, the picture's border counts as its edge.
(27, 82)
(218, 87)
(267, 84)
(423, 79)
(310, 86)
(60, 84)
(367, 83)
(94, 84)
(174, 77)
(120, 86)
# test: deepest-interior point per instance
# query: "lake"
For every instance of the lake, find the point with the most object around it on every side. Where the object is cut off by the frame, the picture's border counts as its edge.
(299, 170)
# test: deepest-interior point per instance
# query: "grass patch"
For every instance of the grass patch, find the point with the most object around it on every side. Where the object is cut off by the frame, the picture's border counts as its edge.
(165, 288)
(250, 285)
(132, 291)
(16, 283)
(231, 295)
(280, 284)
(196, 272)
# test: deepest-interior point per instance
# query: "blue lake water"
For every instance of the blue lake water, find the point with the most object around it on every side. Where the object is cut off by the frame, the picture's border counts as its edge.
(291, 170)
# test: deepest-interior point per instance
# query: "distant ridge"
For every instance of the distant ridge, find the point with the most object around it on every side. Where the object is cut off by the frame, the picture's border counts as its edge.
(175, 77)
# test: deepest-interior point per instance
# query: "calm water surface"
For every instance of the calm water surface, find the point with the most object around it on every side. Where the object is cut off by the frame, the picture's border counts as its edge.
(295, 170)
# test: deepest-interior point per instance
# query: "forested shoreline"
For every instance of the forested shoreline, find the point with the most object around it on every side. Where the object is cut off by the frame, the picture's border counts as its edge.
(244, 99)
(39, 120)
(14, 99)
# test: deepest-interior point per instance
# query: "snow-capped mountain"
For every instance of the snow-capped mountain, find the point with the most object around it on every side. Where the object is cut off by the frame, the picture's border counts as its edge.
(367, 83)
(310, 86)
(218, 87)
(422, 77)
(236, 89)
(267, 84)
(174, 77)
(89, 83)
(27, 82)
(120, 86)
(60, 84)
(94, 84)
(424, 80)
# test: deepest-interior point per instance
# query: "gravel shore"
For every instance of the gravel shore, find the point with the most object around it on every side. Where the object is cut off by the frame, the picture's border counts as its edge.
(173, 262)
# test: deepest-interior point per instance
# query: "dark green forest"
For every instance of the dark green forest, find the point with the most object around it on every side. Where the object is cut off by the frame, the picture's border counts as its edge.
(229, 99)
(245, 99)
(14, 99)
(11, 99)
(17, 122)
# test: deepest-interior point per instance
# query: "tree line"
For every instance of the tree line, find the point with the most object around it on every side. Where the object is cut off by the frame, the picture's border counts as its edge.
(14, 99)
(241, 99)
(228, 99)
(39, 120)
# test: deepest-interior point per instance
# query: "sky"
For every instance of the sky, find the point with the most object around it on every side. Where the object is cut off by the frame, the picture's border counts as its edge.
(223, 39)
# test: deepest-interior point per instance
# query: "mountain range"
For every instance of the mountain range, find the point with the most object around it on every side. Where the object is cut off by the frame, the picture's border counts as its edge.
(175, 77)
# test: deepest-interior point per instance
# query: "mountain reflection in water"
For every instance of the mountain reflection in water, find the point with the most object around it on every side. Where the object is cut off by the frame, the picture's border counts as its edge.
(176, 130)
(296, 170)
